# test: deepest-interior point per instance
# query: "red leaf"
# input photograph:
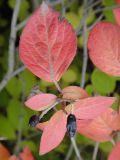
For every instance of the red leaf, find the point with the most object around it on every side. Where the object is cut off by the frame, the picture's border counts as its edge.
(13, 157)
(104, 48)
(92, 107)
(117, 1)
(4, 153)
(53, 133)
(26, 154)
(74, 92)
(117, 15)
(47, 44)
(42, 126)
(41, 101)
(102, 127)
(115, 154)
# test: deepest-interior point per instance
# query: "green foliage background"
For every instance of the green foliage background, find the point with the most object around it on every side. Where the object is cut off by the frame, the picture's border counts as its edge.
(14, 116)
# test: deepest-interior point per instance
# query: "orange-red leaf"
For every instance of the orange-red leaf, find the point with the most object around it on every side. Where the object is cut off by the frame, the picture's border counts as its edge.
(47, 44)
(117, 1)
(53, 133)
(4, 153)
(13, 157)
(92, 107)
(115, 154)
(74, 93)
(42, 125)
(117, 15)
(104, 47)
(102, 127)
(41, 101)
(26, 154)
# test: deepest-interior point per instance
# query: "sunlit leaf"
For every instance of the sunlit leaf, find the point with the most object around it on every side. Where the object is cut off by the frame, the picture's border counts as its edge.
(102, 127)
(89, 108)
(115, 154)
(47, 44)
(104, 48)
(4, 153)
(74, 93)
(117, 15)
(26, 154)
(53, 133)
(41, 101)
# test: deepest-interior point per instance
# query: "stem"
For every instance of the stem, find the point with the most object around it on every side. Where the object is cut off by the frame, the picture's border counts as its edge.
(113, 142)
(95, 151)
(47, 110)
(57, 86)
(76, 148)
(85, 56)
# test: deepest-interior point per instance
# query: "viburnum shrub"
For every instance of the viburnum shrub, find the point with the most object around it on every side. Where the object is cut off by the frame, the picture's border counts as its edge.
(47, 48)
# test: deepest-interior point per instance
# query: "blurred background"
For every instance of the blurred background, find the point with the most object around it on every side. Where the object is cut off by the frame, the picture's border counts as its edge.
(17, 82)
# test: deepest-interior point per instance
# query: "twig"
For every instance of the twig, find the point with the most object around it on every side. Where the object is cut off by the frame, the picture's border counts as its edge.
(106, 8)
(68, 155)
(17, 71)
(113, 142)
(8, 77)
(11, 50)
(85, 56)
(47, 110)
(13, 37)
(76, 148)
(22, 24)
(57, 86)
(90, 27)
(63, 8)
(95, 151)
(21, 118)
(93, 4)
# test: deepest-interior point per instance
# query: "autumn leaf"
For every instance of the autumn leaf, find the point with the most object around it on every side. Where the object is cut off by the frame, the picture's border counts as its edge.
(115, 154)
(47, 44)
(92, 107)
(26, 154)
(117, 1)
(101, 128)
(104, 48)
(42, 125)
(13, 157)
(4, 153)
(117, 15)
(53, 133)
(41, 101)
(74, 93)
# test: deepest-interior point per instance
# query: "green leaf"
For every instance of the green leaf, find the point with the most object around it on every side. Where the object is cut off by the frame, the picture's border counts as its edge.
(90, 17)
(106, 146)
(13, 112)
(89, 89)
(109, 13)
(29, 81)
(23, 8)
(29, 144)
(70, 76)
(84, 140)
(4, 98)
(102, 83)
(6, 129)
(26, 116)
(14, 87)
(73, 19)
